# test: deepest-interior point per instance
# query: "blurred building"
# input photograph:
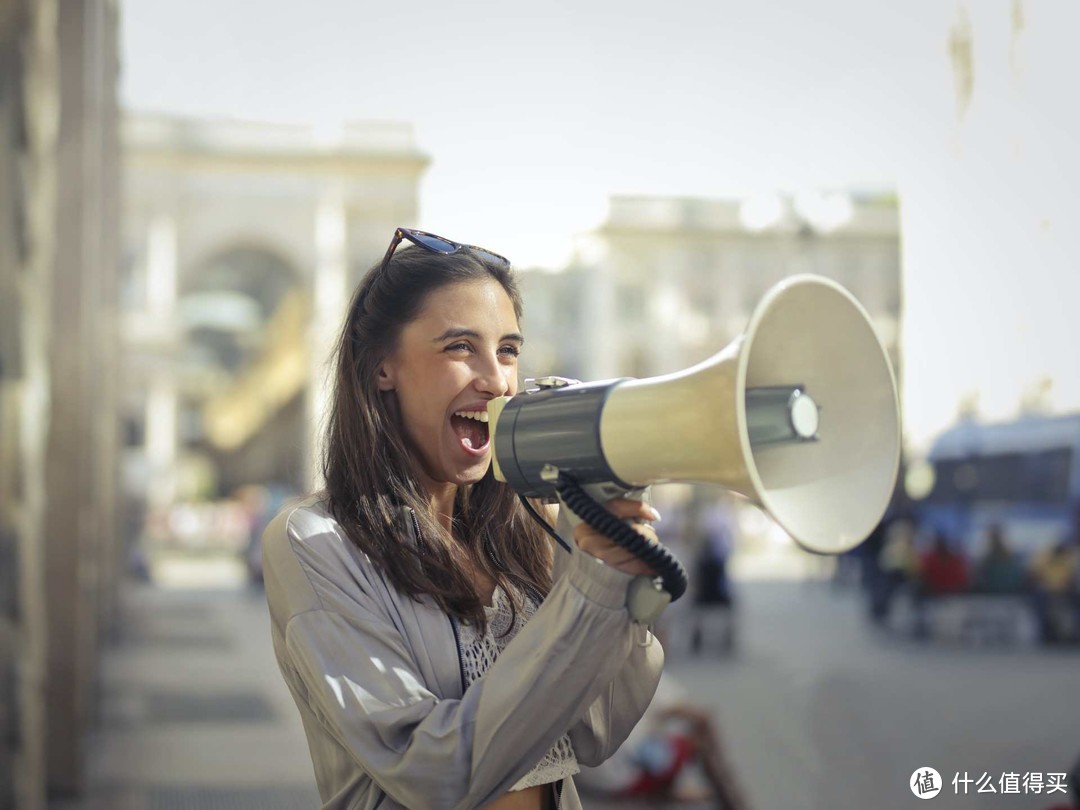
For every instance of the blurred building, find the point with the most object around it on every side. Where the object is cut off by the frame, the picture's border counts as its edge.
(242, 244)
(178, 351)
(59, 236)
(666, 282)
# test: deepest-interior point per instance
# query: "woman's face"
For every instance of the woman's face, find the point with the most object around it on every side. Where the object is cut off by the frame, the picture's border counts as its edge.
(461, 351)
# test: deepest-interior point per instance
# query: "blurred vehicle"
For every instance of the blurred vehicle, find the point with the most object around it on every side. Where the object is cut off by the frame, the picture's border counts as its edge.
(1022, 477)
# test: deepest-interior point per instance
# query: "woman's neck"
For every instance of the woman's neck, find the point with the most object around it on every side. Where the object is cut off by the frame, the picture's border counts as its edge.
(442, 498)
(442, 504)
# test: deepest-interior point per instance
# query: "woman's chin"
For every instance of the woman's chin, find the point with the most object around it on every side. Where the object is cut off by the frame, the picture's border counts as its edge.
(475, 472)
(471, 464)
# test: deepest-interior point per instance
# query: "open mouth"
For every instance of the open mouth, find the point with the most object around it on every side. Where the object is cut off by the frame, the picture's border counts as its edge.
(471, 428)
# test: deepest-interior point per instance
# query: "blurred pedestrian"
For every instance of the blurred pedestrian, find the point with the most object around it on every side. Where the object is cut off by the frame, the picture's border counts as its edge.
(999, 570)
(653, 765)
(1053, 579)
(942, 571)
(714, 601)
(898, 564)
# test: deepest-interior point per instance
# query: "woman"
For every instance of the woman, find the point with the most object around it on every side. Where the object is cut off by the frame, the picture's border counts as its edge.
(439, 652)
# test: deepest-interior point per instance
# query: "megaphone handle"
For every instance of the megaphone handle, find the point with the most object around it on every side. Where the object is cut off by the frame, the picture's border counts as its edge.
(577, 501)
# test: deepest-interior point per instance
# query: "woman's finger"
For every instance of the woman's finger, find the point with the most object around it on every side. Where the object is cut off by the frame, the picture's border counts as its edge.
(627, 508)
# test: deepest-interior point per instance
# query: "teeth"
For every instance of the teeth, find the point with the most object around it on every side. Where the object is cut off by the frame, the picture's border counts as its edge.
(479, 416)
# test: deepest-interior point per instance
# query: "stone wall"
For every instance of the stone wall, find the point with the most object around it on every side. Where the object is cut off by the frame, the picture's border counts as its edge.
(58, 247)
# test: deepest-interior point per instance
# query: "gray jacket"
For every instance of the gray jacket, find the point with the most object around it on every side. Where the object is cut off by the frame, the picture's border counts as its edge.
(377, 677)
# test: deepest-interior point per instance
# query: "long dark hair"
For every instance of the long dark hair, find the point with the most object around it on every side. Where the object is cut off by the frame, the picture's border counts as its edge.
(372, 484)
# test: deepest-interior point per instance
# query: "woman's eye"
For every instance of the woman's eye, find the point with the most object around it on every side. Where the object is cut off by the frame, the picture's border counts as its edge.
(503, 351)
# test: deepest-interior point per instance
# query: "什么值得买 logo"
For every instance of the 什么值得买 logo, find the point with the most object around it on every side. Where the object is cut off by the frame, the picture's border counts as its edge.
(925, 783)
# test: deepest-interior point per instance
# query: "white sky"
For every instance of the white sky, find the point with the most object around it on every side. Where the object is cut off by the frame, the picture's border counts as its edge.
(535, 114)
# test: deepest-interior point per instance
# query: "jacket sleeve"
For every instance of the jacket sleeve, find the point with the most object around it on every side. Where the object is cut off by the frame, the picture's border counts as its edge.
(609, 720)
(611, 717)
(360, 679)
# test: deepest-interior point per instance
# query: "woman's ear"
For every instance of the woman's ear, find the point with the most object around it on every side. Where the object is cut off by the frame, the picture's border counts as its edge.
(384, 377)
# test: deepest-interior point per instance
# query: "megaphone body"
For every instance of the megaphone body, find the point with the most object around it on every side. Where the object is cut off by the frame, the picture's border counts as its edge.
(799, 414)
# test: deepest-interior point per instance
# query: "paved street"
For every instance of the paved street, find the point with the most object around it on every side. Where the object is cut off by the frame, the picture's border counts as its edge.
(820, 711)
(817, 710)
(194, 713)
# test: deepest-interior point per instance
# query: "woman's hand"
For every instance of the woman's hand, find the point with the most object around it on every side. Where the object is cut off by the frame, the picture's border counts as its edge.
(600, 546)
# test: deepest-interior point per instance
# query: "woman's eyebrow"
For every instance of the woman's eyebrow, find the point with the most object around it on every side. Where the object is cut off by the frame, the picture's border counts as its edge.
(458, 332)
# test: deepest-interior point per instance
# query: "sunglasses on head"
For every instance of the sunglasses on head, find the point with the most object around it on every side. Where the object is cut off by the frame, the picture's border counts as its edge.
(436, 244)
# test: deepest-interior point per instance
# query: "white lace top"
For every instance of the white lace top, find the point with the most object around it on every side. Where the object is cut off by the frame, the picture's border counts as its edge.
(478, 652)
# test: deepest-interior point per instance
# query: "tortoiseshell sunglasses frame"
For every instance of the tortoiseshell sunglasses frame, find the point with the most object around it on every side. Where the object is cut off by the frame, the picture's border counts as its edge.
(416, 237)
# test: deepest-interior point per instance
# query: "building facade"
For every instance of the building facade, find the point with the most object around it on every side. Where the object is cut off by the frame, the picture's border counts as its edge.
(666, 282)
(59, 236)
(242, 244)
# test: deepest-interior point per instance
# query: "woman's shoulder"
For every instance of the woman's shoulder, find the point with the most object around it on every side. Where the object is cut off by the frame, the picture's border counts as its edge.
(304, 517)
(305, 523)
(306, 550)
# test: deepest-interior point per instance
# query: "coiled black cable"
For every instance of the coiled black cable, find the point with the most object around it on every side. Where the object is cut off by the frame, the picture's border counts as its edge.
(663, 562)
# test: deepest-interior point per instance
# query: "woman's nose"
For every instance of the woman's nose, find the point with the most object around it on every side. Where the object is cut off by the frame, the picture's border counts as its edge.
(493, 378)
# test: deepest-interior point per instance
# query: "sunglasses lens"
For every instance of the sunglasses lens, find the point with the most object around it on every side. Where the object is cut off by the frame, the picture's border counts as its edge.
(436, 243)
(489, 256)
(439, 245)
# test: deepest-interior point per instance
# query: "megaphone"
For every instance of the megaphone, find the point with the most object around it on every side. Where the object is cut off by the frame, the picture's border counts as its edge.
(799, 414)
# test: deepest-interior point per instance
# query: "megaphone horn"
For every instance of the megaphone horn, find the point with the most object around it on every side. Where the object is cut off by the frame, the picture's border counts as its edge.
(799, 414)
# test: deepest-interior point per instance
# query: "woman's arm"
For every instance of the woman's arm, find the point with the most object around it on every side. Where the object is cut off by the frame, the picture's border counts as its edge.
(612, 716)
(609, 720)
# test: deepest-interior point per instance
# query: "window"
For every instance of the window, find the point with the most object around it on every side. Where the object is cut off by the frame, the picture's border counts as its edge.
(1038, 477)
